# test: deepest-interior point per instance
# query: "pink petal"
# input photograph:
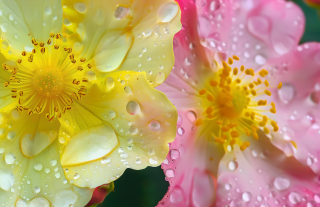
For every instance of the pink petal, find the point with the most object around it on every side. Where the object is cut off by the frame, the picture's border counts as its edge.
(262, 176)
(264, 29)
(297, 103)
(191, 167)
(185, 80)
(213, 16)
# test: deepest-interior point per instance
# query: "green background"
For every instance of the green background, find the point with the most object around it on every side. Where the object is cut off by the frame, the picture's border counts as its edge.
(145, 188)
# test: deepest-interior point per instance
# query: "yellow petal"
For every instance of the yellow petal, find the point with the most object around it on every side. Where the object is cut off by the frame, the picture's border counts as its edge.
(146, 41)
(142, 118)
(6, 102)
(23, 20)
(36, 181)
(89, 144)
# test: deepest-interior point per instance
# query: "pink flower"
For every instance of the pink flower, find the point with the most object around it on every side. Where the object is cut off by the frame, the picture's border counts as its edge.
(243, 142)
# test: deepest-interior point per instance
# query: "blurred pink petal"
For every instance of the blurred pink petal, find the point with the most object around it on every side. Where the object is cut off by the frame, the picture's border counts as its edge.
(264, 29)
(191, 166)
(298, 103)
(264, 176)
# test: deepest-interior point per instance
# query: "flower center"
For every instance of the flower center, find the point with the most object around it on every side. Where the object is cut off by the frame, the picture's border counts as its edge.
(48, 82)
(48, 79)
(232, 102)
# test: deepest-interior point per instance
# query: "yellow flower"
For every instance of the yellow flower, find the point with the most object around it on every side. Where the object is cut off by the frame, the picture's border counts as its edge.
(75, 108)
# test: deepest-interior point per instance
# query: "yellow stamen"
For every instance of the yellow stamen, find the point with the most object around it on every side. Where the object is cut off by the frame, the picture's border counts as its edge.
(198, 122)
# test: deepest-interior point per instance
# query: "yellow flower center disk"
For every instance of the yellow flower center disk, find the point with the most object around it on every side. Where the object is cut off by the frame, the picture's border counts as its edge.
(49, 78)
(232, 103)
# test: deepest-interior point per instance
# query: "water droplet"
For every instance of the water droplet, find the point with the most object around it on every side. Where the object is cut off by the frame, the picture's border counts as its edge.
(6, 179)
(311, 204)
(180, 131)
(48, 10)
(57, 175)
(11, 17)
(281, 183)
(228, 186)
(153, 161)
(80, 7)
(62, 140)
(174, 154)
(310, 161)
(123, 155)
(65, 198)
(37, 190)
(38, 167)
(91, 75)
(11, 135)
(316, 198)
(283, 43)
(192, 116)
(147, 32)
(76, 176)
(47, 170)
(151, 151)
(112, 114)
(10, 158)
(133, 107)
(201, 3)
(130, 141)
(167, 11)
(121, 12)
(109, 82)
(176, 195)
(170, 173)
(105, 160)
(160, 77)
(214, 5)
(53, 162)
(246, 196)
(286, 92)
(294, 198)
(233, 165)
(67, 22)
(154, 125)
(260, 60)
(138, 162)
(128, 90)
(1, 150)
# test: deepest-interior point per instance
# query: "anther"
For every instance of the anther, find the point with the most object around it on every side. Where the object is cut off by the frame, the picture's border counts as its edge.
(210, 98)
(43, 50)
(198, 122)
(41, 44)
(234, 134)
(202, 91)
(52, 34)
(80, 68)
(24, 53)
(89, 66)
(235, 71)
(267, 92)
(85, 80)
(244, 145)
(49, 42)
(33, 51)
(19, 61)
(280, 85)
(82, 59)
(266, 83)
(235, 58)
(58, 36)
(213, 83)
(230, 61)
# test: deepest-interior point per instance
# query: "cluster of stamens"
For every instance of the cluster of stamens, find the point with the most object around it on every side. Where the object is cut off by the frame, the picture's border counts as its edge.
(48, 79)
(232, 104)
